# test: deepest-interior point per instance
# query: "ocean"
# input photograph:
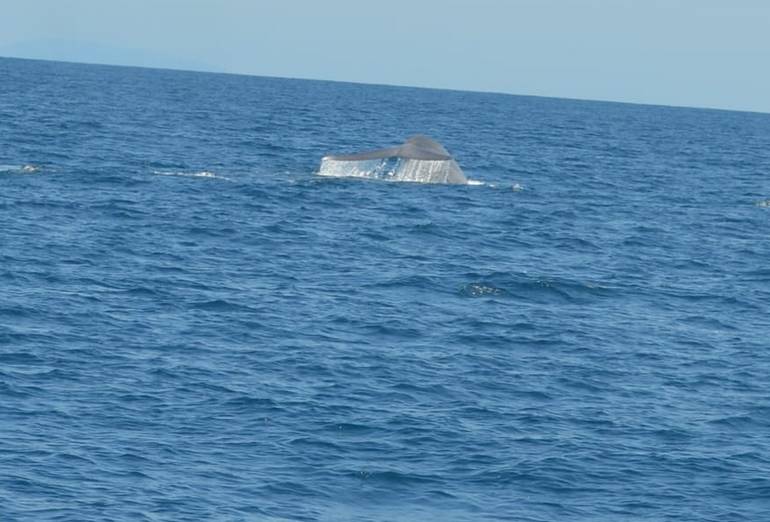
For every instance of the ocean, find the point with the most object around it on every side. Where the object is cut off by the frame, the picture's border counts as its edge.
(195, 325)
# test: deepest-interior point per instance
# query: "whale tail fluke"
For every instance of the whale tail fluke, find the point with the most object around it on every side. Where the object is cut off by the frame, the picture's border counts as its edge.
(418, 159)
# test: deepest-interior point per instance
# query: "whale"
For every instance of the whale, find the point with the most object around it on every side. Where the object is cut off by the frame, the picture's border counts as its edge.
(419, 159)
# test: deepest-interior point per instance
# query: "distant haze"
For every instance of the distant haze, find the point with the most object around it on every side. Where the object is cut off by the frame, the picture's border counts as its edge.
(703, 53)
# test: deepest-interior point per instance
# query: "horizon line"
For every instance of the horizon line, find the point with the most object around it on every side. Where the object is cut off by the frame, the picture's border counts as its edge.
(393, 85)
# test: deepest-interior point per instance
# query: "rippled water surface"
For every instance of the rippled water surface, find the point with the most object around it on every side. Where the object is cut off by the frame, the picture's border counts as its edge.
(195, 326)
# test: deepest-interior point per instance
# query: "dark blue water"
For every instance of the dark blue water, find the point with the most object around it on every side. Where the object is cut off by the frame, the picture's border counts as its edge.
(195, 326)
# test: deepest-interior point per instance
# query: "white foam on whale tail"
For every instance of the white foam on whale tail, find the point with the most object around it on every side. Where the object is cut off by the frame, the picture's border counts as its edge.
(430, 171)
(419, 160)
(410, 170)
(369, 169)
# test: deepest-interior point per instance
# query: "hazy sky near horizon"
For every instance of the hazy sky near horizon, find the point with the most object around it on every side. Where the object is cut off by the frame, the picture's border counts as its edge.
(703, 53)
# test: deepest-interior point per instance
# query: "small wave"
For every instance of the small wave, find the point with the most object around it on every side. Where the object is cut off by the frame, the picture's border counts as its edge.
(198, 174)
(399, 478)
(480, 290)
(737, 422)
(765, 203)
(220, 305)
(541, 289)
(251, 404)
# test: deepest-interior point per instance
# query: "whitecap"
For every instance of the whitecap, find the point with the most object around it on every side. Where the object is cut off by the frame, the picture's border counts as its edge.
(20, 169)
(198, 174)
(476, 183)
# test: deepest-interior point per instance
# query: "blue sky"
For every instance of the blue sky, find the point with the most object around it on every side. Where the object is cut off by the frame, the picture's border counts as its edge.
(703, 53)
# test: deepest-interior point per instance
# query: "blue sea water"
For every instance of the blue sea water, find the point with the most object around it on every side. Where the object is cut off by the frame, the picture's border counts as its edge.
(195, 326)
